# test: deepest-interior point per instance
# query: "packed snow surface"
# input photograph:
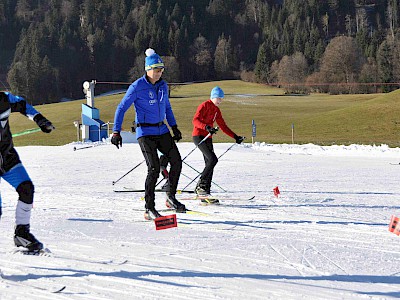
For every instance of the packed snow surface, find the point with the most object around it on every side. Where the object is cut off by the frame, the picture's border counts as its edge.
(324, 237)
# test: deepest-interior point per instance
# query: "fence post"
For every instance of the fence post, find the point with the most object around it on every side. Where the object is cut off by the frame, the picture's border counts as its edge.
(292, 133)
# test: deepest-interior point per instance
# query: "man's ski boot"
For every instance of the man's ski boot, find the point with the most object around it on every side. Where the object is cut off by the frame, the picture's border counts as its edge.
(172, 202)
(202, 191)
(23, 238)
(151, 214)
(209, 201)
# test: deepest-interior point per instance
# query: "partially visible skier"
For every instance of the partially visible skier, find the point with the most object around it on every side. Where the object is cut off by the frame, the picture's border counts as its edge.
(13, 171)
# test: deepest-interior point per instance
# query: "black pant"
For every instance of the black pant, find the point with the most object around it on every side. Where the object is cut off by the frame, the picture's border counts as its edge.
(210, 159)
(166, 145)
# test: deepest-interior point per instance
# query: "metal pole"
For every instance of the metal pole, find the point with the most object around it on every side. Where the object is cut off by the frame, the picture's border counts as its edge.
(114, 182)
(199, 173)
(292, 133)
(203, 140)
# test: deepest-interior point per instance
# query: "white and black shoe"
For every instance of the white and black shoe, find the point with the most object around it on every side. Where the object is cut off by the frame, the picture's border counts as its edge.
(23, 238)
(151, 214)
(200, 191)
(173, 203)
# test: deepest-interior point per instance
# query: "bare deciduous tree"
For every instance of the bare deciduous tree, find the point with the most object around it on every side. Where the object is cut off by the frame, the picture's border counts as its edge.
(171, 73)
(369, 75)
(202, 58)
(342, 61)
(292, 72)
(224, 59)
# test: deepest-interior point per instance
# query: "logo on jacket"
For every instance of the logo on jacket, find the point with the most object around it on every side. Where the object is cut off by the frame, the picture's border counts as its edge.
(151, 96)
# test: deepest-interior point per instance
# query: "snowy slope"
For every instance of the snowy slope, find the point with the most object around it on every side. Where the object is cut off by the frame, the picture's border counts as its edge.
(325, 237)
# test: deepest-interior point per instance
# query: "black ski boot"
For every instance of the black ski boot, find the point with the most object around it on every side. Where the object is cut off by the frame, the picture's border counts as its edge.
(202, 189)
(172, 202)
(151, 214)
(23, 238)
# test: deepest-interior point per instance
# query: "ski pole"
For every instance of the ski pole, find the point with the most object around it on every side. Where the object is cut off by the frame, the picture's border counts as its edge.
(75, 149)
(114, 182)
(202, 141)
(28, 131)
(227, 150)
(200, 173)
(162, 179)
(86, 147)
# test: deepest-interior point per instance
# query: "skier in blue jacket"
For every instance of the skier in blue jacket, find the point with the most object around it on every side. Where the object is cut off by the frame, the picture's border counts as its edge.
(149, 96)
(13, 171)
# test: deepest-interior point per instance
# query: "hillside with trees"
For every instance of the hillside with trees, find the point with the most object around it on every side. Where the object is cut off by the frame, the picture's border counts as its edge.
(48, 48)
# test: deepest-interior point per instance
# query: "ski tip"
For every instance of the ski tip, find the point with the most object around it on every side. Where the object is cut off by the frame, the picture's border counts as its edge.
(59, 290)
(195, 212)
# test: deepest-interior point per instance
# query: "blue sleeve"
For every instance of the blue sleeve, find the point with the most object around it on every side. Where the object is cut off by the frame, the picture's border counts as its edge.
(123, 106)
(19, 104)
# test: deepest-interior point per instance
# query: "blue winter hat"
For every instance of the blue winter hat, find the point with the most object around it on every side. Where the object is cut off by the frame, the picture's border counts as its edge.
(153, 60)
(217, 92)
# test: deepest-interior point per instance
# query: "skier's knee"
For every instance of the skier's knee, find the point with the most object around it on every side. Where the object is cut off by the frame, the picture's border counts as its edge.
(214, 161)
(153, 172)
(25, 191)
(176, 161)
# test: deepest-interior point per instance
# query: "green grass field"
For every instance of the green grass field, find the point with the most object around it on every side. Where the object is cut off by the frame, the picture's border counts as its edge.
(318, 118)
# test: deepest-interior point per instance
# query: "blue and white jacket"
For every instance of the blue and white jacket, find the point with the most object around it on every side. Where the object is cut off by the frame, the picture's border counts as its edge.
(151, 104)
(10, 103)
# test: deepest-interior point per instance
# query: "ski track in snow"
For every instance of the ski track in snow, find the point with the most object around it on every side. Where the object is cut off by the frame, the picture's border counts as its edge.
(325, 237)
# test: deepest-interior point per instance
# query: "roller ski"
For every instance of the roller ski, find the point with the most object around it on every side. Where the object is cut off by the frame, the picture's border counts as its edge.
(205, 197)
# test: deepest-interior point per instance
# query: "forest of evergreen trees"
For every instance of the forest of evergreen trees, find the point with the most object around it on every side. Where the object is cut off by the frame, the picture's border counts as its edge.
(48, 48)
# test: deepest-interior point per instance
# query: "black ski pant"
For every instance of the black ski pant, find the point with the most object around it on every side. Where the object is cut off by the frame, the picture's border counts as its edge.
(210, 160)
(166, 145)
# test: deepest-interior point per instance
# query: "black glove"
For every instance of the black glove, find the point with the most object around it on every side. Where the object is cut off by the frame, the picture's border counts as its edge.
(44, 124)
(211, 130)
(177, 133)
(239, 139)
(116, 139)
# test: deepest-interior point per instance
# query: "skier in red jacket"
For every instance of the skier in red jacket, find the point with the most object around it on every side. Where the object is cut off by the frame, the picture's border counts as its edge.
(203, 121)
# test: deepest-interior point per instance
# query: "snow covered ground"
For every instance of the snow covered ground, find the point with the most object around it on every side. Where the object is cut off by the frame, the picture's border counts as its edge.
(325, 237)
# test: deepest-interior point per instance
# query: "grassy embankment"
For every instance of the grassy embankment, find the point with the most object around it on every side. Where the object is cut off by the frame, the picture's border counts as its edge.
(317, 118)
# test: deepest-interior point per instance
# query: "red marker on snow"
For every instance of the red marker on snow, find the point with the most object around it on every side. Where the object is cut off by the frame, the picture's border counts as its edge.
(165, 222)
(276, 191)
(394, 225)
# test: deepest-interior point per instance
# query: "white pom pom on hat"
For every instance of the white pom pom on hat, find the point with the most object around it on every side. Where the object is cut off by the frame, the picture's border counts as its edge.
(150, 52)
(152, 60)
